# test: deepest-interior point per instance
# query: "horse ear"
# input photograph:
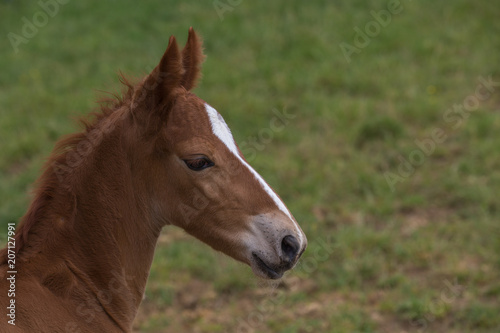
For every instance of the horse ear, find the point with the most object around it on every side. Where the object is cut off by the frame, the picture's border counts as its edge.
(162, 84)
(192, 58)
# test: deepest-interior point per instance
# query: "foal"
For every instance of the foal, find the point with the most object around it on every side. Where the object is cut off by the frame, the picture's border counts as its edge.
(158, 156)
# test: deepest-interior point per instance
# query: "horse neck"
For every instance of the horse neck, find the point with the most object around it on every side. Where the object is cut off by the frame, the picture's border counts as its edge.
(109, 240)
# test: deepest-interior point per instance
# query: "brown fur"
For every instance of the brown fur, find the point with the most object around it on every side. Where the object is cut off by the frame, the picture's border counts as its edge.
(85, 246)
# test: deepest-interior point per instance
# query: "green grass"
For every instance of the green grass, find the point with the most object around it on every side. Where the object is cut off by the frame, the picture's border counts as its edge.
(393, 252)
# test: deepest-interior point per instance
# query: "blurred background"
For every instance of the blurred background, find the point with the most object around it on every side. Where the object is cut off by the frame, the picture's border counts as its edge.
(389, 156)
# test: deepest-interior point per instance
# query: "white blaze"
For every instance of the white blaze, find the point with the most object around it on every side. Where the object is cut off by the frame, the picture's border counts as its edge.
(222, 131)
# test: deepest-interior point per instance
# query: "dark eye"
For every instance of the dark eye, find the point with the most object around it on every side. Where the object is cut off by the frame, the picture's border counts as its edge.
(199, 164)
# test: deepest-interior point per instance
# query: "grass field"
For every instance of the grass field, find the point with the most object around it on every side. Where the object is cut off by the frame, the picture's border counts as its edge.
(389, 160)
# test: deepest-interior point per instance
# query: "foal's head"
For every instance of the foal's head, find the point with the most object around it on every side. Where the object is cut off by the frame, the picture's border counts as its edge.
(188, 164)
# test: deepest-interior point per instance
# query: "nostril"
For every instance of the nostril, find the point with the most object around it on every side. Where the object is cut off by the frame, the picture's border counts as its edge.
(290, 247)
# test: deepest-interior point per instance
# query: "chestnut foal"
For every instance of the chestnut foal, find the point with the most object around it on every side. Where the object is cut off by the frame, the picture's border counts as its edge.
(158, 156)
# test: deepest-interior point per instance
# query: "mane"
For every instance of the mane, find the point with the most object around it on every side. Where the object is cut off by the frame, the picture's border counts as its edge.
(49, 183)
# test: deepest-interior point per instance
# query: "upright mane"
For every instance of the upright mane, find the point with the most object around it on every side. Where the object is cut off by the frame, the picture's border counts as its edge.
(55, 168)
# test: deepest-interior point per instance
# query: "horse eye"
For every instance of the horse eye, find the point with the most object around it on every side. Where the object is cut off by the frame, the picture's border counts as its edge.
(199, 164)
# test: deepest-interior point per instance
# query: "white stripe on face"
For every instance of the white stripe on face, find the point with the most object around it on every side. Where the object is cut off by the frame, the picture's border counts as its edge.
(222, 131)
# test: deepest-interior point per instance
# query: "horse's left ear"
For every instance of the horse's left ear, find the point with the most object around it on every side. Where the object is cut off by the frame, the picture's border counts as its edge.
(192, 58)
